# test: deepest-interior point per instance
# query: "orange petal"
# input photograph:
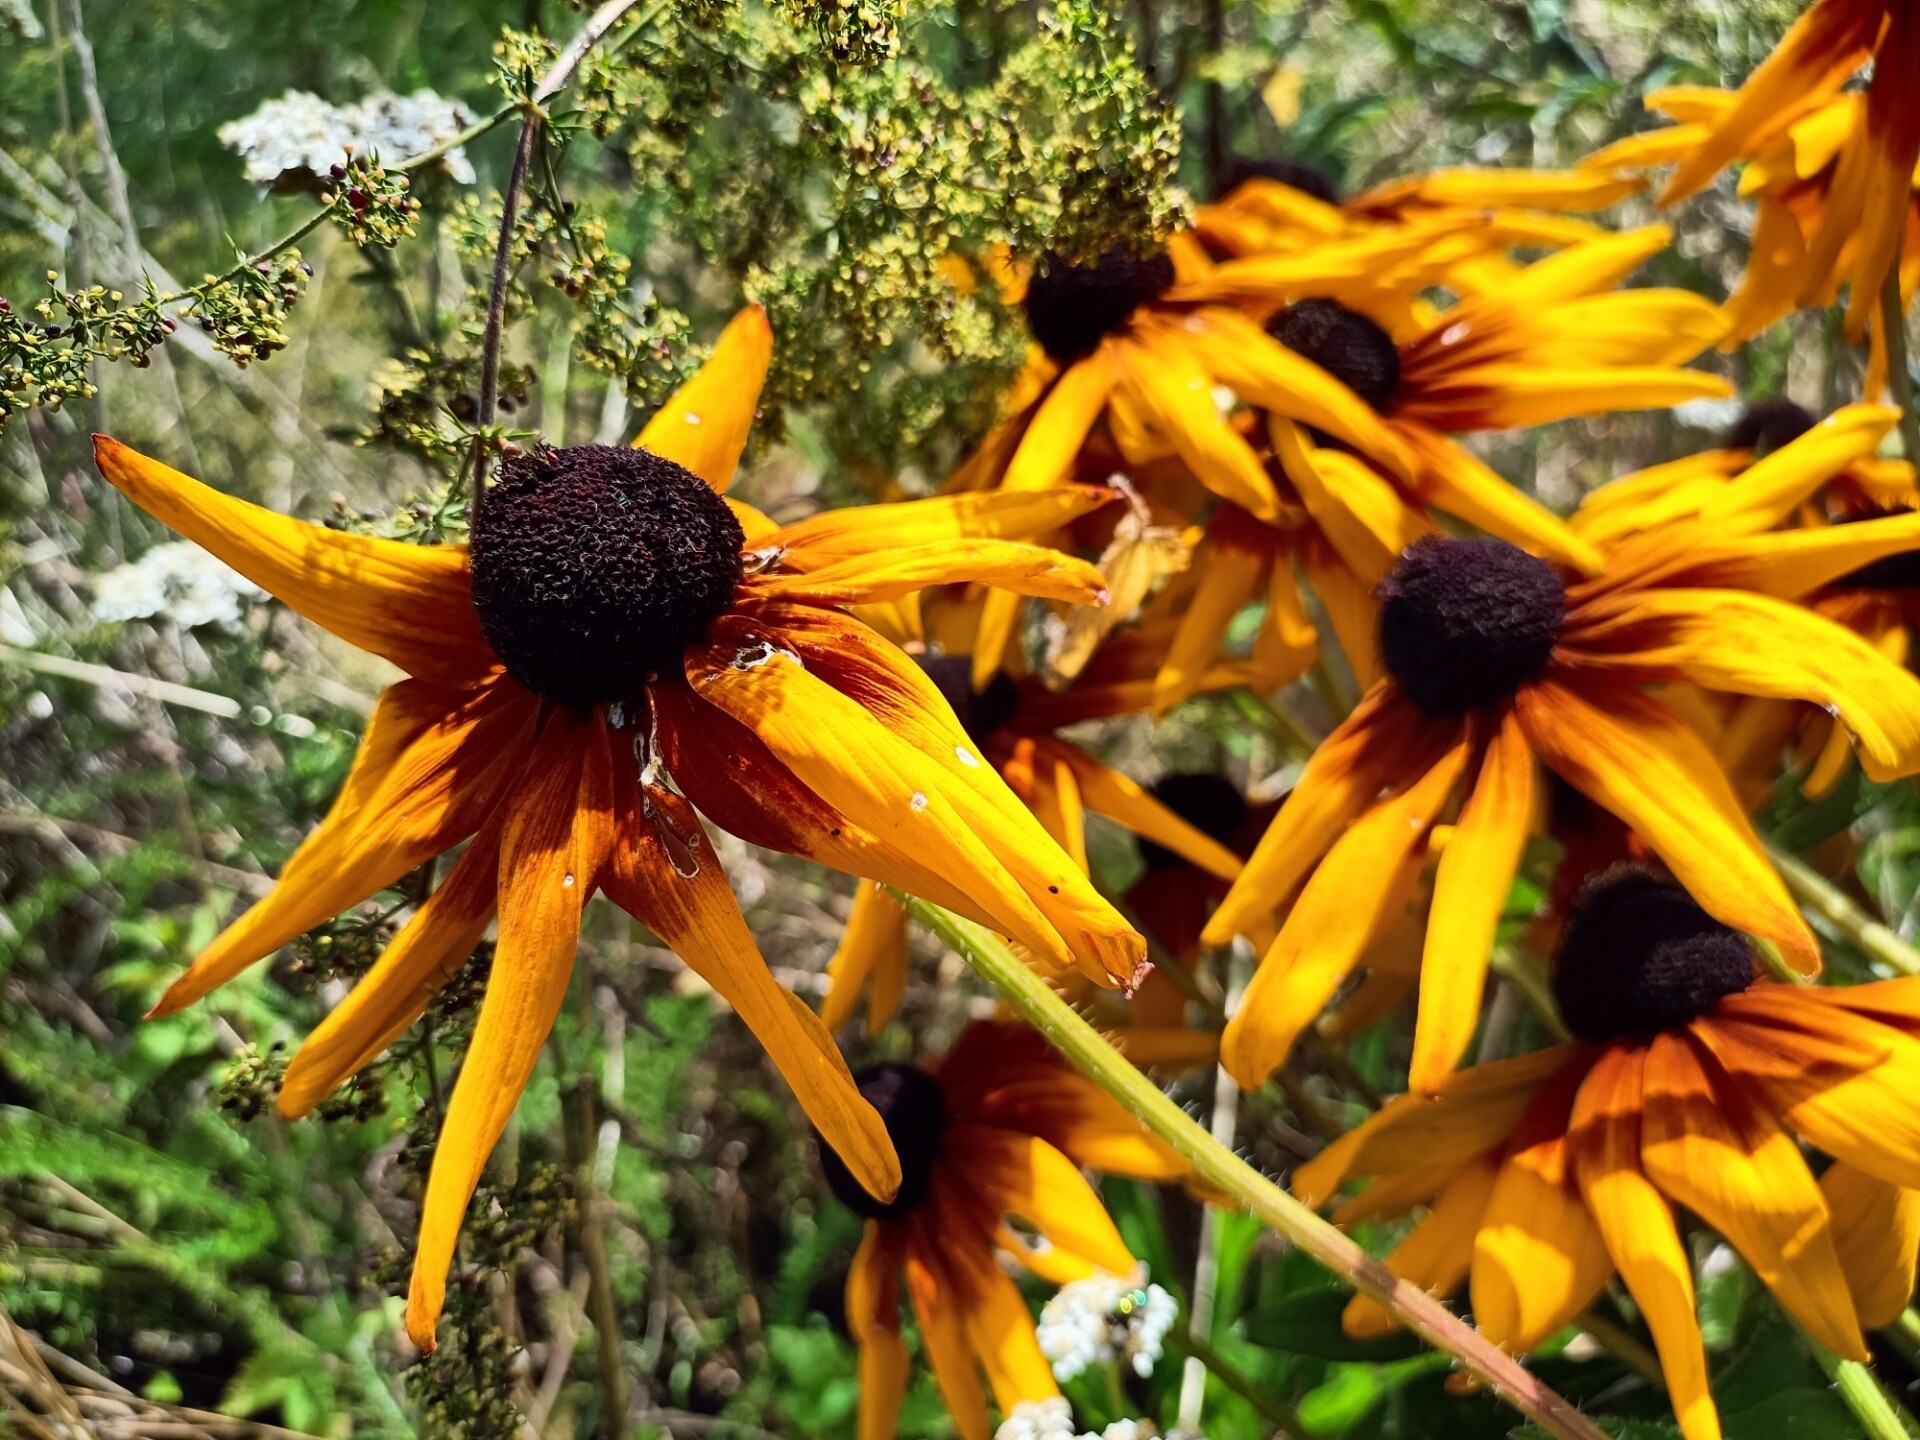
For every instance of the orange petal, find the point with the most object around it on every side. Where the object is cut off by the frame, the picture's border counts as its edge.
(430, 768)
(890, 573)
(1635, 1221)
(872, 951)
(412, 604)
(855, 532)
(664, 873)
(1456, 482)
(1634, 758)
(1538, 1259)
(1027, 1177)
(1436, 1253)
(1060, 423)
(1123, 800)
(545, 875)
(1786, 564)
(941, 1309)
(873, 1319)
(1174, 394)
(1876, 1229)
(1469, 892)
(386, 1001)
(1361, 515)
(1231, 562)
(1710, 1147)
(704, 425)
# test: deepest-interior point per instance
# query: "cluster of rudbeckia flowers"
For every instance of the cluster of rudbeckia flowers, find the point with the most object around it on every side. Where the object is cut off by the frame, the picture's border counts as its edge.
(1250, 457)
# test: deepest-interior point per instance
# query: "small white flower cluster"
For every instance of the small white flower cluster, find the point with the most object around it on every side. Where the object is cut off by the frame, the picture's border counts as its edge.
(178, 580)
(303, 134)
(1052, 1419)
(1103, 1318)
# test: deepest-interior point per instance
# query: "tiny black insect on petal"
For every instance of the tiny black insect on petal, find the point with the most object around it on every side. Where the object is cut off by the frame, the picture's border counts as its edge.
(1766, 425)
(1072, 308)
(1640, 957)
(594, 567)
(1345, 344)
(914, 1111)
(1465, 623)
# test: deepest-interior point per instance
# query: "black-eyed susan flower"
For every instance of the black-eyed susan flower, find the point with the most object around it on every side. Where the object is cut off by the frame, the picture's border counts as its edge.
(1864, 150)
(617, 619)
(1690, 1084)
(1495, 663)
(995, 1130)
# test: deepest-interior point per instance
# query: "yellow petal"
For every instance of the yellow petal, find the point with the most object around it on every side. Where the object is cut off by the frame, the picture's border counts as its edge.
(1436, 1253)
(940, 1308)
(1538, 1259)
(1635, 759)
(854, 532)
(1769, 489)
(1105, 791)
(872, 951)
(386, 1001)
(1756, 645)
(1351, 609)
(1174, 394)
(1362, 516)
(1792, 563)
(1024, 1176)
(412, 604)
(1710, 1147)
(1231, 563)
(429, 770)
(1876, 1229)
(891, 573)
(1456, 482)
(665, 874)
(1384, 741)
(1526, 392)
(998, 1326)
(1061, 422)
(704, 425)
(544, 878)
(1330, 925)
(1636, 1223)
(1469, 892)
(873, 1319)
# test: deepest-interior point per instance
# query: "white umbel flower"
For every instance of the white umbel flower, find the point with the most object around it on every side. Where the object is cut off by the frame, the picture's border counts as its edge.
(178, 580)
(1105, 1318)
(1052, 1419)
(301, 137)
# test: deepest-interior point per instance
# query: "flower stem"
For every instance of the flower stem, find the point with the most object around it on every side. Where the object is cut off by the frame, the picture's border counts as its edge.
(1893, 324)
(1820, 896)
(1276, 1411)
(1225, 1172)
(1871, 1405)
(497, 304)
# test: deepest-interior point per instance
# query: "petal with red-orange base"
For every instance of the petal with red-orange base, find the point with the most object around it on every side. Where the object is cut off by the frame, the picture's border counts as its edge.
(873, 1319)
(1120, 798)
(1025, 1176)
(546, 872)
(1329, 926)
(1709, 1145)
(1538, 1259)
(1631, 755)
(411, 604)
(663, 872)
(1469, 894)
(856, 532)
(1384, 742)
(430, 768)
(1787, 564)
(940, 1308)
(891, 572)
(704, 424)
(1636, 1222)
(386, 1001)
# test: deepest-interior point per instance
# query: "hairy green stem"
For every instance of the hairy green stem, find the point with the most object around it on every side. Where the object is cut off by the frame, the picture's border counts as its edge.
(1870, 1404)
(1819, 896)
(1228, 1174)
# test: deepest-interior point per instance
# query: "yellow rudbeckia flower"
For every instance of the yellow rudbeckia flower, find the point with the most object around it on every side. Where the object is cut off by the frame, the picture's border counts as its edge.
(617, 618)
(1686, 1086)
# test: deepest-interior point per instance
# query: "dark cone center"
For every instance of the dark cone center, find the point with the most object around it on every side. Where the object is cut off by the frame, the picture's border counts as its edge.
(1640, 957)
(1464, 623)
(1072, 308)
(1769, 424)
(1295, 174)
(914, 1111)
(980, 712)
(1347, 345)
(595, 566)
(1210, 803)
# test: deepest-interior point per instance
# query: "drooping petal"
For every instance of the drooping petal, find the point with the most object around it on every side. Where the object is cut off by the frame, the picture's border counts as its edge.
(1231, 563)
(387, 1000)
(1756, 645)
(1768, 490)
(1361, 515)
(1435, 1255)
(1382, 742)
(873, 1319)
(411, 604)
(1635, 1221)
(704, 425)
(1538, 1258)
(1123, 800)
(998, 1326)
(430, 768)
(664, 873)
(854, 532)
(1061, 422)
(1635, 759)
(890, 573)
(1469, 892)
(1352, 610)
(1452, 480)
(895, 792)
(940, 1308)
(1876, 1230)
(1027, 1177)
(1174, 394)
(1710, 1147)
(1786, 564)
(1329, 926)
(872, 956)
(544, 879)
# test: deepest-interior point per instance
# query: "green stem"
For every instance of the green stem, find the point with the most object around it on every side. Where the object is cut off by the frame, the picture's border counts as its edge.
(1277, 1412)
(1218, 1167)
(1625, 1346)
(1819, 896)
(1893, 324)
(1904, 1335)
(1871, 1405)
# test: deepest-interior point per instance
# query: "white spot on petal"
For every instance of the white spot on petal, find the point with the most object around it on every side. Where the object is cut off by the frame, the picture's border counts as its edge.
(692, 419)
(919, 800)
(567, 883)
(966, 756)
